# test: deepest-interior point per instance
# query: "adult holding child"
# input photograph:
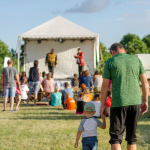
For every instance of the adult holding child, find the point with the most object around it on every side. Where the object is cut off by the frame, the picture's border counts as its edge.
(34, 82)
(8, 76)
(125, 71)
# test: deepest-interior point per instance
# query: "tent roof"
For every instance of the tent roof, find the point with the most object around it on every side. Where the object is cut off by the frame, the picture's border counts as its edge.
(56, 28)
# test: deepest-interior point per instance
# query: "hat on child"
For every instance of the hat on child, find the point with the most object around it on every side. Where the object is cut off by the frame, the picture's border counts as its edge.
(89, 107)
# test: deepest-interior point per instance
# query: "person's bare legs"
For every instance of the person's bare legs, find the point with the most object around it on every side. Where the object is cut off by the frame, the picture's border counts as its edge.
(115, 147)
(18, 101)
(108, 111)
(29, 96)
(11, 103)
(5, 102)
(35, 98)
(131, 147)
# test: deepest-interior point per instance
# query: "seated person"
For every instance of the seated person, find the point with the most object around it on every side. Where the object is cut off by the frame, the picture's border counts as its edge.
(69, 102)
(55, 99)
(87, 96)
(96, 101)
(80, 104)
(83, 86)
(75, 81)
(65, 91)
(108, 102)
(48, 84)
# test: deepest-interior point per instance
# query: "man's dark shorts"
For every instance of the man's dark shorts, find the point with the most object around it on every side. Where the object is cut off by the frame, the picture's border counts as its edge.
(122, 118)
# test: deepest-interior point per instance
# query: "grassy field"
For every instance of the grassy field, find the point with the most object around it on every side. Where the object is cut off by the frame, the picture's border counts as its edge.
(49, 128)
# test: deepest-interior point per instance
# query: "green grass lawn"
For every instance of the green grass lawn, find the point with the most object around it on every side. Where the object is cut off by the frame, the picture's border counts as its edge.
(49, 128)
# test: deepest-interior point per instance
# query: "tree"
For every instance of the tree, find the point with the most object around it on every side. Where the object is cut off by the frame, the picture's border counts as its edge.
(146, 40)
(133, 44)
(4, 52)
(105, 54)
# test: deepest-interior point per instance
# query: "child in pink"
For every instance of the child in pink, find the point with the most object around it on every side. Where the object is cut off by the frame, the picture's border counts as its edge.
(18, 96)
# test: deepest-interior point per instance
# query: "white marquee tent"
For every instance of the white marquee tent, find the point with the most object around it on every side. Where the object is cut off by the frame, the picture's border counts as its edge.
(65, 37)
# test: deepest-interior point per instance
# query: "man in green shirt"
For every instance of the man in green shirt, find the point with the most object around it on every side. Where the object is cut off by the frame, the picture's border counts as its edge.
(125, 71)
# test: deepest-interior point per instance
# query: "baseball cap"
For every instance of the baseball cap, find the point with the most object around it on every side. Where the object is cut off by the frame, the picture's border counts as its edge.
(89, 107)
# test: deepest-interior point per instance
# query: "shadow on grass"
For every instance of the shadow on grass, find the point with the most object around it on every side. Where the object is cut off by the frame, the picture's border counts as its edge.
(49, 113)
(145, 133)
(54, 117)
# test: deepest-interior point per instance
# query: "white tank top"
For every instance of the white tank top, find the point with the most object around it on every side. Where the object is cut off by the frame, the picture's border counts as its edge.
(98, 81)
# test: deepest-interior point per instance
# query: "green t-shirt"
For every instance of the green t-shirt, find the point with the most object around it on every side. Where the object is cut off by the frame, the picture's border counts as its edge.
(124, 71)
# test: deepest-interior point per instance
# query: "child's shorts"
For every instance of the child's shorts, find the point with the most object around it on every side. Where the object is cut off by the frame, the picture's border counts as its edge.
(89, 143)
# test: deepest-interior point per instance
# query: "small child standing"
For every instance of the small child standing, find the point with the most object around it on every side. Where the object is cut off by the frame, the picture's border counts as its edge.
(89, 126)
(24, 90)
(96, 101)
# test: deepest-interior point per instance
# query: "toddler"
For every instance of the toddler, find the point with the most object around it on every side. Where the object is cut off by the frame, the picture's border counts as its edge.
(88, 128)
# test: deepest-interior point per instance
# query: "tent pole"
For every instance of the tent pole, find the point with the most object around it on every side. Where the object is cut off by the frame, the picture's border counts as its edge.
(19, 47)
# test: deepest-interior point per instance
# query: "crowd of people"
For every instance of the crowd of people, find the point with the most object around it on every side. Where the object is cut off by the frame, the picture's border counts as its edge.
(38, 83)
(116, 95)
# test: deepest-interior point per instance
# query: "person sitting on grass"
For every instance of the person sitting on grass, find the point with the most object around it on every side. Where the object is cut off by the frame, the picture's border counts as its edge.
(80, 103)
(75, 81)
(88, 128)
(108, 102)
(83, 86)
(55, 99)
(96, 101)
(48, 84)
(24, 90)
(87, 96)
(65, 91)
(69, 102)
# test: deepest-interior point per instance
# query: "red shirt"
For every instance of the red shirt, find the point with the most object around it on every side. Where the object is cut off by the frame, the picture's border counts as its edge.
(71, 105)
(108, 102)
(81, 59)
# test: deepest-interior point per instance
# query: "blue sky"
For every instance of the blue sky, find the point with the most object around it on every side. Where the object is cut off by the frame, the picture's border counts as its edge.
(111, 19)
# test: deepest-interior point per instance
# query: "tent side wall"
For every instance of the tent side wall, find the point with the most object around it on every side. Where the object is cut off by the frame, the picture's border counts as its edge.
(66, 62)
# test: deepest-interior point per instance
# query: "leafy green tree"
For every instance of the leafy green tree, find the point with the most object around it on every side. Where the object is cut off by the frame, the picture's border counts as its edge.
(133, 44)
(146, 40)
(104, 56)
(4, 52)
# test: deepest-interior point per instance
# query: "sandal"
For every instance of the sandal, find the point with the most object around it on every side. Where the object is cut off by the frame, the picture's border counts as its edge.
(11, 110)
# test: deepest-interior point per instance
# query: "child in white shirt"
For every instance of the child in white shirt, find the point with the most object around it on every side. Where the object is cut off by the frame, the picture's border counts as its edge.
(96, 101)
(24, 90)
